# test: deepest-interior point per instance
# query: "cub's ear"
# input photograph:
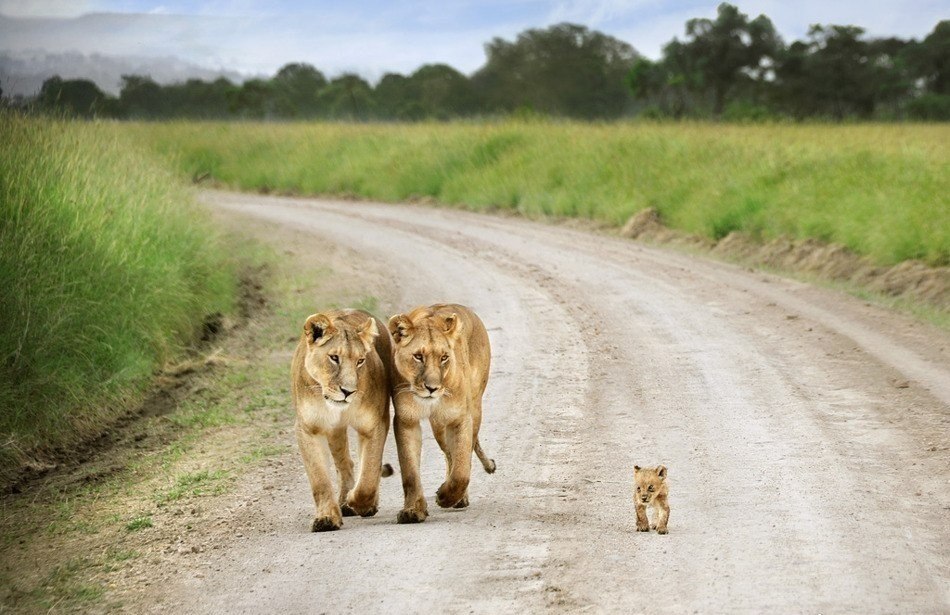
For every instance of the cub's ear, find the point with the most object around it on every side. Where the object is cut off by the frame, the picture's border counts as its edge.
(401, 328)
(369, 331)
(661, 471)
(318, 329)
(452, 325)
(636, 468)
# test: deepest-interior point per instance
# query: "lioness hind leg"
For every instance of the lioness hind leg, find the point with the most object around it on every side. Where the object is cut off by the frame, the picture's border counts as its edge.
(315, 453)
(340, 449)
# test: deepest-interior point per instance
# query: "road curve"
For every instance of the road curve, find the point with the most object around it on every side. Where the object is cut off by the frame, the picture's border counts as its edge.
(805, 432)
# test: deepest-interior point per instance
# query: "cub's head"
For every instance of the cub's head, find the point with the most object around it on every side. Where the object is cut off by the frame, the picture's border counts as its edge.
(336, 354)
(650, 483)
(425, 352)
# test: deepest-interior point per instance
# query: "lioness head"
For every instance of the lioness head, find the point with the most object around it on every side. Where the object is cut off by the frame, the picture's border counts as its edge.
(650, 482)
(425, 352)
(336, 353)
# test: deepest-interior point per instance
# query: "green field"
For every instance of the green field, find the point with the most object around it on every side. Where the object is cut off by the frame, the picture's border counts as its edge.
(107, 269)
(880, 189)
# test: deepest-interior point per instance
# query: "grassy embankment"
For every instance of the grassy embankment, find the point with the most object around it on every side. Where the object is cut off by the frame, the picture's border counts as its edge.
(881, 190)
(106, 269)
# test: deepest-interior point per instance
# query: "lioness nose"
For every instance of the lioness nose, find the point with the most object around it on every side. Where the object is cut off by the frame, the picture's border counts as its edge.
(345, 392)
(431, 389)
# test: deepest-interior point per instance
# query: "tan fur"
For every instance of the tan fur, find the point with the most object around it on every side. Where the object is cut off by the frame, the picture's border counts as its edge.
(650, 489)
(442, 359)
(331, 395)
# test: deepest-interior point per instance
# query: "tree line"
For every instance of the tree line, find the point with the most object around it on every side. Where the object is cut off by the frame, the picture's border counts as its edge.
(730, 67)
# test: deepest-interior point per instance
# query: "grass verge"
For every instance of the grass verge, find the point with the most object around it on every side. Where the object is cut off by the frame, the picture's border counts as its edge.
(880, 190)
(108, 269)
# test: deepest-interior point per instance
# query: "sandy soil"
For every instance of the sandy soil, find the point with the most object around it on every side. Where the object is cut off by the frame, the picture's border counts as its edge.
(805, 432)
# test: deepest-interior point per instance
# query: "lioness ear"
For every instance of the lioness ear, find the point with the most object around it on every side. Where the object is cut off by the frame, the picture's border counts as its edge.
(401, 328)
(636, 469)
(369, 331)
(661, 471)
(451, 324)
(318, 329)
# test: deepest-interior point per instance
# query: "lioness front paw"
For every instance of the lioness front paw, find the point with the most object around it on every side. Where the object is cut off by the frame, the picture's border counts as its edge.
(411, 516)
(643, 527)
(346, 511)
(463, 503)
(662, 530)
(325, 524)
(449, 495)
(359, 508)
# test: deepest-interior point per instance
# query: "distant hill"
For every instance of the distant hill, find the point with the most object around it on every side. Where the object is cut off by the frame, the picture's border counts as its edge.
(23, 73)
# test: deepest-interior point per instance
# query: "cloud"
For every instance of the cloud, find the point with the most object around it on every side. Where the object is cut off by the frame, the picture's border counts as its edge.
(46, 8)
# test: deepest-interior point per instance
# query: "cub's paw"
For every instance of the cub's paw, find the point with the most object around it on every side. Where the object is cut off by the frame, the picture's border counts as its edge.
(653, 526)
(643, 527)
(325, 524)
(411, 516)
(662, 530)
(347, 511)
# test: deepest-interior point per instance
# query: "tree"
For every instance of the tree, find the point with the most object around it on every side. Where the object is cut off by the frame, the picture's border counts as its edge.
(929, 60)
(140, 97)
(837, 73)
(348, 96)
(724, 57)
(79, 97)
(296, 87)
(254, 99)
(562, 70)
(395, 98)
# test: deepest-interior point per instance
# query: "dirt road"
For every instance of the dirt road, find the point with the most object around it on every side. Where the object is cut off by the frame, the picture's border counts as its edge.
(805, 432)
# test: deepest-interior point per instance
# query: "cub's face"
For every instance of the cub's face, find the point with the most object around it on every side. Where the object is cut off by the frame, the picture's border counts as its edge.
(336, 357)
(425, 354)
(650, 482)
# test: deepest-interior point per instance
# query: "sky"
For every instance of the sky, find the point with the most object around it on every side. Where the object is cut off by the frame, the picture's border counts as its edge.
(372, 37)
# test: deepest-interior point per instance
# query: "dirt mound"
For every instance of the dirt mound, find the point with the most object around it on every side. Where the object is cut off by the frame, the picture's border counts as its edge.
(647, 225)
(909, 279)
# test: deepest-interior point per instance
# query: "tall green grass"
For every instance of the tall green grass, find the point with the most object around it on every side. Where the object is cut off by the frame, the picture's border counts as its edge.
(106, 269)
(879, 189)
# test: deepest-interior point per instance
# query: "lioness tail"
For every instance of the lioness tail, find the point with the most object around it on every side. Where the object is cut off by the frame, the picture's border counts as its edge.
(488, 464)
(387, 470)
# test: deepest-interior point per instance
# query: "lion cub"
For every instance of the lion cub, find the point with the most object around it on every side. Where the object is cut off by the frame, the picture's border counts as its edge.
(651, 490)
(341, 379)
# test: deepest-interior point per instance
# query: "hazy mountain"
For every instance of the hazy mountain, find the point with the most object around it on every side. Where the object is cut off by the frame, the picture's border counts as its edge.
(23, 73)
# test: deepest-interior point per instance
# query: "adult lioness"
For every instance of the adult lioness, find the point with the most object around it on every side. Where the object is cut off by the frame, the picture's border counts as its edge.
(341, 375)
(441, 361)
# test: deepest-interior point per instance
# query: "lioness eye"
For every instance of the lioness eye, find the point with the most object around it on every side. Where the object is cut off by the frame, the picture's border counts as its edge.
(360, 362)
(334, 358)
(417, 356)
(445, 358)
